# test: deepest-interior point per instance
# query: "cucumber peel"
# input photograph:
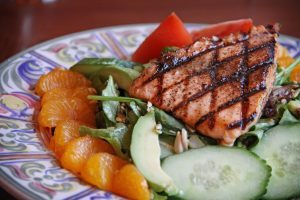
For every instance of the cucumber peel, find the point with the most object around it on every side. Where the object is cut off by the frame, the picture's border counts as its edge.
(280, 147)
(218, 173)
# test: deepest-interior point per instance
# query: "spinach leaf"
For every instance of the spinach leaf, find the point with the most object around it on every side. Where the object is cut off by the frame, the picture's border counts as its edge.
(114, 98)
(288, 118)
(170, 125)
(110, 108)
(263, 124)
(135, 108)
(117, 136)
(251, 138)
(132, 118)
(169, 49)
(166, 144)
(207, 140)
(157, 196)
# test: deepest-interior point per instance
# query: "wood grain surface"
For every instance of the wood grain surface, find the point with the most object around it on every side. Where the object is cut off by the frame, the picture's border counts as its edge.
(27, 22)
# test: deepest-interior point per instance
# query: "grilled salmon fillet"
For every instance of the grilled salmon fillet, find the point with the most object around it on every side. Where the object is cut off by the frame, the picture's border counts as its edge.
(217, 86)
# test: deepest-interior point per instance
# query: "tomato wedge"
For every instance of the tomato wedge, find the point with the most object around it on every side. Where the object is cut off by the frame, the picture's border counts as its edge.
(224, 28)
(171, 32)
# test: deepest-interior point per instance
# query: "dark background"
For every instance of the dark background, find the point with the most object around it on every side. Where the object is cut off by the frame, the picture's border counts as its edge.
(24, 23)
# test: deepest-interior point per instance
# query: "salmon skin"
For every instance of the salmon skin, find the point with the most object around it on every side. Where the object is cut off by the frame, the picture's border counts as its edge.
(217, 86)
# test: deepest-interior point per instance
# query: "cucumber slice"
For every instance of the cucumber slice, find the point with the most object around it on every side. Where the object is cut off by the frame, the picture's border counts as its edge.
(215, 172)
(280, 147)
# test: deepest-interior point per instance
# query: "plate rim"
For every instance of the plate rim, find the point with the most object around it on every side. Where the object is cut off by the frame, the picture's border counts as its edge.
(40, 44)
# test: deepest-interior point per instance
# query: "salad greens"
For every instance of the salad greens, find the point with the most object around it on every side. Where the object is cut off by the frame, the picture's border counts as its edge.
(250, 139)
(117, 136)
(110, 108)
(170, 125)
(288, 118)
(169, 49)
(283, 75)
(119, 115)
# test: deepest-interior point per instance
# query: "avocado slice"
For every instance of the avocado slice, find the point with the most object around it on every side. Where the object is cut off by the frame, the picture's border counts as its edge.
(88, 66)
(97, 83)
(122, 71)
(122, 76)
(145, 152)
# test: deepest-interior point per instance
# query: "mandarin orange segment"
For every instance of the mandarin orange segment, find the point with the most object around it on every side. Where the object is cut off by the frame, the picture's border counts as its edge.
(285, 61)
(57, 93)
(78, 151)
(100, 168)
(295, 75)
(64, 109)
(52, 144)
(282, 52)
(59, 78)
(130, 183)
(65, 131)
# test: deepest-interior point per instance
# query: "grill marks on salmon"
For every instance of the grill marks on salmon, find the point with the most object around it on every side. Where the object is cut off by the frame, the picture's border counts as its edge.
(217, 86)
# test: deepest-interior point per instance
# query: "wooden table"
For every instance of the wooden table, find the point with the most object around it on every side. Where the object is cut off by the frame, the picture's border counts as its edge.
(27, 22)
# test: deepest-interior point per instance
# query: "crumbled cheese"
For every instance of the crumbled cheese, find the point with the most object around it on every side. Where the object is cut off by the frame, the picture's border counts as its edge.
(149, 106)
(215, 38)
(123, 106)
(158, 128)
(283, 101)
